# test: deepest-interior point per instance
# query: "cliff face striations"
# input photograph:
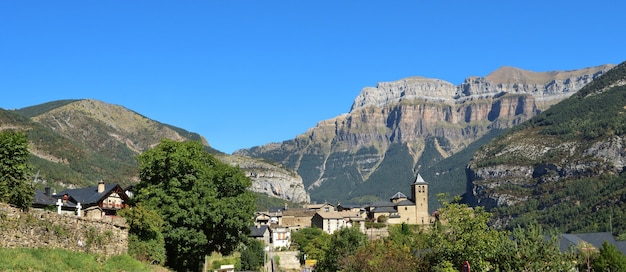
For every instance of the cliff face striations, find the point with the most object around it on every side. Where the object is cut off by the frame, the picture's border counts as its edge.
(343, 154)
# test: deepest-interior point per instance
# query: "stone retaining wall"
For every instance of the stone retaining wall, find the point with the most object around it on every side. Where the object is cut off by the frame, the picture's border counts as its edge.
(45, 229)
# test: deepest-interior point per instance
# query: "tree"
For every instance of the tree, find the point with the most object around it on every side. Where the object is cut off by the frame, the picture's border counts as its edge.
(343, 242)
(532, 249)
(145, 238)
(15, 187)
(205, 203)
(311, 241)
(609, 259)
(462, 234)
(252, 255)
(384, 255)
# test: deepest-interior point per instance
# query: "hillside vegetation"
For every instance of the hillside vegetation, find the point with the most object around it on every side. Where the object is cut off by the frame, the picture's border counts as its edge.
(75, 143)
(563, 168)
(24, 259)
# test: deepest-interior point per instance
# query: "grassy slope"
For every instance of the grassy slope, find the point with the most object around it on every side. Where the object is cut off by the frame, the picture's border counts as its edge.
(24, 259)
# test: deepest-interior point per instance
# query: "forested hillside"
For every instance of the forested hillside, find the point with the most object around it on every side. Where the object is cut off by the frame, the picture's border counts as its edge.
(563, 168)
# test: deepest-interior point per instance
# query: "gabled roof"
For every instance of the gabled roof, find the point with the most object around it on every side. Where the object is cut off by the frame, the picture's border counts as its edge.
(90, 195)
(298, 212)
(419, 180)
(378, 204)
(594, 238)
(259, 231)
(398, 195)
(330, 215)
(50, 200)
(42, 199)
(385, 210)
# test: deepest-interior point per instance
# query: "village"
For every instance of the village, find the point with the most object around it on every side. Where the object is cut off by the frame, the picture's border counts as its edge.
(275, 226)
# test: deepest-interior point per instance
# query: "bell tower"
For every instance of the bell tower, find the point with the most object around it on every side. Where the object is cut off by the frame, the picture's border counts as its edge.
(419, 195)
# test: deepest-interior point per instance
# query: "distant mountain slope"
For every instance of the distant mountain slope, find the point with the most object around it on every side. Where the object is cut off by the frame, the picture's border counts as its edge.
(397, 127)
(78, 142)
(564, 167)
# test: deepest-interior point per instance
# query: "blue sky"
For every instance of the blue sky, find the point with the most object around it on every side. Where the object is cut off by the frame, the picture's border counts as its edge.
(247, 73)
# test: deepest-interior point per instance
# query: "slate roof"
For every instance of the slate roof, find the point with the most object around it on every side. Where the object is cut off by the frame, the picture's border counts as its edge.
(89, 196)
(42, 199)
(381, 209)
(398, 195)
(595, 238)
(46, 200)
(258, 231)
(406, 203)
(419, 180)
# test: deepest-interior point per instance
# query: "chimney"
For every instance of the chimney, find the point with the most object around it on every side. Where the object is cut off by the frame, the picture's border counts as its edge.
(47, 191)
(100, 186)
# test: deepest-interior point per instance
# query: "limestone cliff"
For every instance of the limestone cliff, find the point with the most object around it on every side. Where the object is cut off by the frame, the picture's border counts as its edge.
(269, 179)
(350, 148)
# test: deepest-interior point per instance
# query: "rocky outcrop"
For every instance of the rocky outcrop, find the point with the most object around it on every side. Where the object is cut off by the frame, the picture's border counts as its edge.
(412, 110)
(273, 180)
(502, 173)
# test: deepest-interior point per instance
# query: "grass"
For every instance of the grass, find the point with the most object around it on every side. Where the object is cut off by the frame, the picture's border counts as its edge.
(39, 259)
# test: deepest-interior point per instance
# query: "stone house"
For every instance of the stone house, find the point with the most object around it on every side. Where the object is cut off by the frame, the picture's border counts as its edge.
(281, 237)
(297, 218)
(261, 232)
(402, 209)
(93, 202)
(330, 222)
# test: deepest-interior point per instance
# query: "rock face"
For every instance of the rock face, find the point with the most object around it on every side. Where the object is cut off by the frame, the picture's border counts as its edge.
(580, 141)
(273, 180)
(346, 151)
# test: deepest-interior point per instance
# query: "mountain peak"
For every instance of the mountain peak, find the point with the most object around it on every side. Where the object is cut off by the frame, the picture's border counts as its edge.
(510, 75)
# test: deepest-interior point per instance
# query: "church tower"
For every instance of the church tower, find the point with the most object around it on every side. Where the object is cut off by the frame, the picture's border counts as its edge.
(419, 195)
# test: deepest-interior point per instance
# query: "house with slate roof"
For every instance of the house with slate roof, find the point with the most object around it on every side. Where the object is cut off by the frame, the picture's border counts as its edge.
(262, 233)
(46, 200)
(595, 239)
(402, 209)
(94, 202)
(99, 201)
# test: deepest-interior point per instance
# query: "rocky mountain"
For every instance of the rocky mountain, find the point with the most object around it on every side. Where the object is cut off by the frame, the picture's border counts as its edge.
(271, 179)
(78, 142)
(563, 168)
(397, 127)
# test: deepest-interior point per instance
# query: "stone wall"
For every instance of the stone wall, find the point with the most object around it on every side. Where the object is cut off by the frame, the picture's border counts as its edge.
(288, 260)
(45, 229)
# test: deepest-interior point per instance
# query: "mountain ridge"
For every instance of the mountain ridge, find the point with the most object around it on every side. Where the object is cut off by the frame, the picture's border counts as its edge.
(77, 142)
(342, 154)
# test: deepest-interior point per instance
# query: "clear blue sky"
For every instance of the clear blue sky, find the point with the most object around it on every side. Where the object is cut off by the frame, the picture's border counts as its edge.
(247, 73)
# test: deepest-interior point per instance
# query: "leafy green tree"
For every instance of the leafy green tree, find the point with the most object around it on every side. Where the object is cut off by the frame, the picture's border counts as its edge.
(462, 234)
(311, 241)
(15, 187)
(145, 238)
(205, 203)
(609, 259)
(252, 255)
(343, 242)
